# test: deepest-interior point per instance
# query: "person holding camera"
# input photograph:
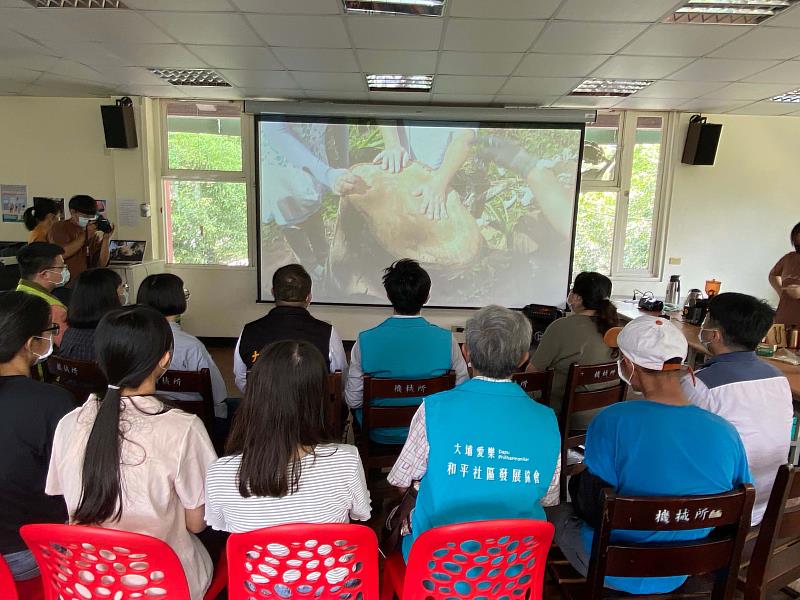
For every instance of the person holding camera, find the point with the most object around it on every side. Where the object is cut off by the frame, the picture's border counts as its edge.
(85, 236)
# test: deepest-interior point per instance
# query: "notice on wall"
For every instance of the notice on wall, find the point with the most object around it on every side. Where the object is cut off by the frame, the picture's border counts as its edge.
(14, 199)
(128, 213)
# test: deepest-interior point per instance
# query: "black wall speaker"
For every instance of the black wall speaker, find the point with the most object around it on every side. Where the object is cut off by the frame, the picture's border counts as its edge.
(701, 142)
(119, 124)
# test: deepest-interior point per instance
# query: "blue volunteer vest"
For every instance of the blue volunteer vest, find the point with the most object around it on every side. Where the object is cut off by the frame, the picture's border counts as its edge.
(493, 453)
(403, 348)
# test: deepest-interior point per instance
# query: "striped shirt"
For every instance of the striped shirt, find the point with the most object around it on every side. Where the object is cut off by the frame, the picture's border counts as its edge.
(332, 489)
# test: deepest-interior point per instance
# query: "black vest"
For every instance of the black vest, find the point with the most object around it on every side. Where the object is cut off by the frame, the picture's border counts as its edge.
(284, 323)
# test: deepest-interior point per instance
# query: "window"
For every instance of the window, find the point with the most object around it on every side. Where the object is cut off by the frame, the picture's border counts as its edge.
(619, 210)
(205, 184)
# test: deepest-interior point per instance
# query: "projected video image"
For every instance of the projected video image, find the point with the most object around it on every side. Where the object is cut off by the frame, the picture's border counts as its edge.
(488, 211)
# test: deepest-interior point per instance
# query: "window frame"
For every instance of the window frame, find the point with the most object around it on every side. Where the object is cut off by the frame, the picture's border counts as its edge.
(621, 184)
(244, 176)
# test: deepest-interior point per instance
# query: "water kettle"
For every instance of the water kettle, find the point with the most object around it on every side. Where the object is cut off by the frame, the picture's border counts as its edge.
(673, 291)
(692, 297)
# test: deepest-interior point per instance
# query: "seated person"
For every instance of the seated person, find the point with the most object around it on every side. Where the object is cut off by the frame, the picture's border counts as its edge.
(281, 465)
(165, 293)
(578, 338)
(289, 320)
(95, 293)
(751, 394)
(41, 270)
(31, 411)
(404, 346)
(464, 444)
(660, 446)
(148, 461)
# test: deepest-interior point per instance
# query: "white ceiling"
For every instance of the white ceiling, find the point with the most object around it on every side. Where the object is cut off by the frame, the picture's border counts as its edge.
(482, 51)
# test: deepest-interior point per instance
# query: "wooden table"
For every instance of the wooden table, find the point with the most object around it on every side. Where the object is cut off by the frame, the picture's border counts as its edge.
(628, 312)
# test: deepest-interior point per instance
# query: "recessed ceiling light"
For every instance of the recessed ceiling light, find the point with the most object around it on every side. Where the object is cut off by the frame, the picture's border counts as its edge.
(793, 96)
(399, 83)
(727, 12)
(192, 77)
(425, 8)
(76, 3)
(610, 87)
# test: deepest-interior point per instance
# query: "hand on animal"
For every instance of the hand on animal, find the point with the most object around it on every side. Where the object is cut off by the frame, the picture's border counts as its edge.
(392, 159)
(434, 200)
(348, 183)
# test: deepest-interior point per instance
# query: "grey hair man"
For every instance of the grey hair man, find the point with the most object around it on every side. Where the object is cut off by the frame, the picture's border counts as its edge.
(482, 450)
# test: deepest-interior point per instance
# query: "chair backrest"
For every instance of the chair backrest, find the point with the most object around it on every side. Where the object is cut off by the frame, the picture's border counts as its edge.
(79, 377)
(336, 404)
(719, 553)
(487, 559)
(93, 562)
(537, 385)
(197, 382)
(8, 589)
(328, 561)
(775, 561)
(540, 316)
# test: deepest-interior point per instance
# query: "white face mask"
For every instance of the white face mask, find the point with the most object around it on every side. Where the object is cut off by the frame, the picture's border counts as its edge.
(40, 358)
(64, 276)
(624, 378)
(124, 297)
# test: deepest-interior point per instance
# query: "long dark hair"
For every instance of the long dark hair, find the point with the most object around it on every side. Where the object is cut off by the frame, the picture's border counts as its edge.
(38, 212)
(284, 410)
(94, 294)
(595, 291)
(164, 292)
(129, 343)
(22, 316)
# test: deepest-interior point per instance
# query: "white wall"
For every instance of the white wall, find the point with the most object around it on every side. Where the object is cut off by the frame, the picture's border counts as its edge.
(729, 221)
(56, 147)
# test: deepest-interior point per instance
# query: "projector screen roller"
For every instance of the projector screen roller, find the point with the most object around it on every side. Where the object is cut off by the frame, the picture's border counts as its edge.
(486, 208)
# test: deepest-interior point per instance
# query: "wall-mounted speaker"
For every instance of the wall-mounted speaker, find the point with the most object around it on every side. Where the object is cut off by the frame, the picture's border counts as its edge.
(702, 140)
(119, 124)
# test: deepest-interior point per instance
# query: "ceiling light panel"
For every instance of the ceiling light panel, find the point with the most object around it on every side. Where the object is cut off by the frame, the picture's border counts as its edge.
(728, 12)
(610, 87)
(793, 97)
(76, 3)
(190, 77)
(399, 83)
(425, 8)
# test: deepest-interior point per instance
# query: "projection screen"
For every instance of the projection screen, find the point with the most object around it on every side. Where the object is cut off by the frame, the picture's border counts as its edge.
(487, 208)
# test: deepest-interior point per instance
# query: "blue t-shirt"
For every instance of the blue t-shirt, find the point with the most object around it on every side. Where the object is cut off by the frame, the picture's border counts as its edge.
(645, 448)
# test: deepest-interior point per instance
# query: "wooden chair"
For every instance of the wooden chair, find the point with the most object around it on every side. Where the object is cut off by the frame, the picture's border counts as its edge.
(575, 401)
(775, 561)
(719, 553)
(537, 385)
(373, 454)
(191, 382)
(79, 377)
(336, 412)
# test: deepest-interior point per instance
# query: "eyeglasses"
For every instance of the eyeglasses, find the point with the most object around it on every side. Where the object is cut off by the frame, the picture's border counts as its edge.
(55, 328)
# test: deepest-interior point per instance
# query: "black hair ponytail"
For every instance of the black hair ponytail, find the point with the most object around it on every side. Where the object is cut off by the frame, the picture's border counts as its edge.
(37, 213)
(29, 217)
(129, 344)
(595, 291)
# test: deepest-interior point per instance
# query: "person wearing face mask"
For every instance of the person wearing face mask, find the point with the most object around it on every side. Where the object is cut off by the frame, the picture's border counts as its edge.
(165, 292)
(785, 280)
(127, 460)
(661, 445)
(40, 217)
(31, 411)
(96, 292)
(42, 269)
(748, 392)
(78, 235)
(578, 338)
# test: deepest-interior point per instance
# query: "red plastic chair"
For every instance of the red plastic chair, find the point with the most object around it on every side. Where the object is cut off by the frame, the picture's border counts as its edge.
(487, 559)
(8, 589)
(323, 562)
(93, 562)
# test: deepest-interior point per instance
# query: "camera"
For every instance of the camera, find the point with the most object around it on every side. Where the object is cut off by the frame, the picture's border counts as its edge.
(104, 225)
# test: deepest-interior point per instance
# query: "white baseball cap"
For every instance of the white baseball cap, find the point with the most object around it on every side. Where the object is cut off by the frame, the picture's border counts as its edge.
(649, 342)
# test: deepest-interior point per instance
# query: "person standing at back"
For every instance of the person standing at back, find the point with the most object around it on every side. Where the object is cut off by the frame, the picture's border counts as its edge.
(31, 412)
(83, 249)
(785, 280)
(748, 392)
(289, 320)
(404, 346)
(39, 219)
(42, 269)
